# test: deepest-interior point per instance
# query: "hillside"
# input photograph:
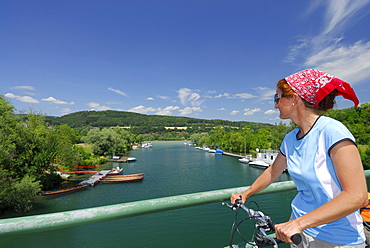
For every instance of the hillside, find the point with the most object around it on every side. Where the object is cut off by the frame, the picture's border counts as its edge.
(144, 123)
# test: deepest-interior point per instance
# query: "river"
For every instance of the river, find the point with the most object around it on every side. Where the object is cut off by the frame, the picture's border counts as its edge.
(171, 168)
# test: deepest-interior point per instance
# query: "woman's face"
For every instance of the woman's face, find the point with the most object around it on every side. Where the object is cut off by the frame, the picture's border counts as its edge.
(284, 104)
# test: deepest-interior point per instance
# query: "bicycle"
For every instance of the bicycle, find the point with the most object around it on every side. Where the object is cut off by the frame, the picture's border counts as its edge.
(263, 224)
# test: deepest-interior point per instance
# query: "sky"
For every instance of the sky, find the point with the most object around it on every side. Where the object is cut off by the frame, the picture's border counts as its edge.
(207, 59)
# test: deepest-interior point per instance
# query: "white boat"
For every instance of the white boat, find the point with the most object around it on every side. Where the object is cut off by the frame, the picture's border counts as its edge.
(212, 151)
(131, 159)
(264, 159)
(147, 145)
(246, 159)
(259, 164)
(115, 171)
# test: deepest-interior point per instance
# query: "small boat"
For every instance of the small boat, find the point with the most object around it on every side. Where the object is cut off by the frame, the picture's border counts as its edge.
(264, 159)
(259, 164)
(147, 145)
(244, 160)
(219, 151)
(115, 171)
(122, 178)
(56, 192)
(131, 159)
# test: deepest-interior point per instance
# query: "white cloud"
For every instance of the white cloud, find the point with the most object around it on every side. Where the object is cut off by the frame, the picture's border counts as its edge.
(271, 111)
(141, 109)
(167, 110)
(326, 51)
(117, 91)
(341, 14)
(97, 106)
(223, 95)
(236, 96)
(221, 109)
(234, 112)
(244, 95)
(53, 100)
(65, 111)
(249, 111)
(188, 96)
(27, 99)
(350, 63)
(23, 88)
(189, 110)
(163, 97)
(150, 99)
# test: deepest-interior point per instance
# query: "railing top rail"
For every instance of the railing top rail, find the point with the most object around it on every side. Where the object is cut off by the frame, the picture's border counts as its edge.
(37, 223)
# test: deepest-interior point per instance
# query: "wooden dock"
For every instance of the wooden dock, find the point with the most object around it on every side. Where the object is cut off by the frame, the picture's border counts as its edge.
(233, 155)
(95, 178)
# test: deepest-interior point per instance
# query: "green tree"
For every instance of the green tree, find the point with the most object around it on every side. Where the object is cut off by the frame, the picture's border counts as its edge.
(108, 141)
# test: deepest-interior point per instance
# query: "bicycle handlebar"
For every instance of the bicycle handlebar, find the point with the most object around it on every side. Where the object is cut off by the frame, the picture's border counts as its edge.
(268, 225)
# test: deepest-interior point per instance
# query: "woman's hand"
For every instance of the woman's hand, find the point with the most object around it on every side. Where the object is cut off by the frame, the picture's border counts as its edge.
(285, 231)
(236, 196)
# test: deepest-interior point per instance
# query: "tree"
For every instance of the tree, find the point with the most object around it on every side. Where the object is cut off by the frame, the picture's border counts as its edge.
(108, 141)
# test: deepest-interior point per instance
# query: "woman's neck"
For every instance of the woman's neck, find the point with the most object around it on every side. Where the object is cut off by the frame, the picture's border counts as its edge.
(305, 122)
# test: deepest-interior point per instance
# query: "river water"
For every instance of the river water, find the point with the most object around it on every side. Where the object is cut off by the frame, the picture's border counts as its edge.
(171, 168)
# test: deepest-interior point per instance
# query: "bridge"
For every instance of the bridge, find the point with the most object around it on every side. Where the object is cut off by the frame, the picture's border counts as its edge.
(52, 221)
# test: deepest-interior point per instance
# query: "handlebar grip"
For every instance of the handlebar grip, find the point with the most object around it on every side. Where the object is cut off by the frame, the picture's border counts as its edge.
(296, 238)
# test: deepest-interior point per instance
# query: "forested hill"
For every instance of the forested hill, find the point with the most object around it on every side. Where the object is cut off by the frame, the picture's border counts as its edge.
(128, 119)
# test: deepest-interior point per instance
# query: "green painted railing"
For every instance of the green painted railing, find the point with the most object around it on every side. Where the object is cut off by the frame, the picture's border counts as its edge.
(38, 223)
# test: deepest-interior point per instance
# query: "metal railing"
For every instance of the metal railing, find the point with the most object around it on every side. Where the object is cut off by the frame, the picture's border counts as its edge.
(52, 221)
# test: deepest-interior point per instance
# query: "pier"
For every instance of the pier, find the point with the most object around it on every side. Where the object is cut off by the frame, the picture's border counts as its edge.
(95, 178)
(233, 155)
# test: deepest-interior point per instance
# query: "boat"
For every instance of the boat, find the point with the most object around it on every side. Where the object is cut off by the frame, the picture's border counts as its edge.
(246, 159)
(259, 164)
(115, 171)
(131, 159)
(264, 159)
(212, 151)
(61, 191)
(147, 145)
(122, 178)
(219, 151)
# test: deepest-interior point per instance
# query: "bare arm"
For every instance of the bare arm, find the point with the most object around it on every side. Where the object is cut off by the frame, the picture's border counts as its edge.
(264, 180)
(348, 166)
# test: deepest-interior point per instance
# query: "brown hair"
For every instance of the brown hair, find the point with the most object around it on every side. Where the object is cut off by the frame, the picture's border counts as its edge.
(325, 104)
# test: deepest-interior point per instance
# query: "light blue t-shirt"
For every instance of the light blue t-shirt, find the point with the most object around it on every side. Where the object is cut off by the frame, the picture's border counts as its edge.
(312, 170)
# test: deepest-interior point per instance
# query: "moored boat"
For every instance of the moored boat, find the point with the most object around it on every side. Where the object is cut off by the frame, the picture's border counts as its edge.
(131, 159)
(122, 178)
(115, 171)
(61, 191)
(259, 164)
(246, 159)
(264, 159)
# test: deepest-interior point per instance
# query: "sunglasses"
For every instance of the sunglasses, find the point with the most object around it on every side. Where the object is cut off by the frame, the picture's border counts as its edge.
(277, 98)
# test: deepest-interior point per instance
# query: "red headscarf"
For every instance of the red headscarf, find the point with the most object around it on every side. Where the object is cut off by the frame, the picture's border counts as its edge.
(313, 86)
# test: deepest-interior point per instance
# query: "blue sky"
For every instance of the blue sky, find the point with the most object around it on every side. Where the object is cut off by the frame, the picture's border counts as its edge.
(197, 58)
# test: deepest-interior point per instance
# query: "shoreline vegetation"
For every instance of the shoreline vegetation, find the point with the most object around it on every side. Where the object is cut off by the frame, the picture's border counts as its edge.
(35, 147)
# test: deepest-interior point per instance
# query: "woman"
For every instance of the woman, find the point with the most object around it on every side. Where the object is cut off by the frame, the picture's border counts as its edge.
(322, 159)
